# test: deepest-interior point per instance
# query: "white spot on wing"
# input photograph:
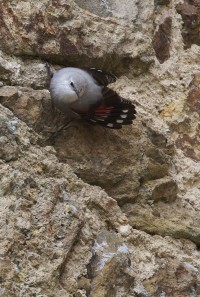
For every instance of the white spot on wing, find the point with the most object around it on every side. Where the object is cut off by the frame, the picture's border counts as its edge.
(125, 110)
(110, 125)
(119, 121)
(123, 116)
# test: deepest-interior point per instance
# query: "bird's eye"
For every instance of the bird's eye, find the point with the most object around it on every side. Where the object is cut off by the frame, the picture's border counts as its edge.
(72, 84)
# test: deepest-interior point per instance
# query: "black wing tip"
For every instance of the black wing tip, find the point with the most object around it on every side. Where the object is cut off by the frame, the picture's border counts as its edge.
(121, 115)
(102, 77)
(113, 111)
(112, 122)
(119, 104)
(105, 124)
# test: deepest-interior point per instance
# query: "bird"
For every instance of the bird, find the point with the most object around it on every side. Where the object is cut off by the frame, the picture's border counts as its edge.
(84, 93)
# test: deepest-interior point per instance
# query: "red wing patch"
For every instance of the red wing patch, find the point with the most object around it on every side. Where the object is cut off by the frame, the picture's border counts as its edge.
(112, 111)
(103, 110)
(111, 116)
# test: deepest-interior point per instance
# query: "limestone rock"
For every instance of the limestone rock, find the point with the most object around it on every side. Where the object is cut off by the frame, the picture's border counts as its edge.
(63, 32)
(161, 40)
(162, 2)
(164, 189)
(190, 11)
(97, 212)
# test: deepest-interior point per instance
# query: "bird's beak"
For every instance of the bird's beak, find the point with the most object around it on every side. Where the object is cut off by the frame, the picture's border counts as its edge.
(76, 91)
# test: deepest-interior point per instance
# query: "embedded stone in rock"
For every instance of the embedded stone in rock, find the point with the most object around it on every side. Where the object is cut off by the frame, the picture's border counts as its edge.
(144, 218)
(97, 7)
(193, 99)
(162, 40)
(190, 145)
(108, 159)
(164, 189)
(190, 12)
(162, 2)
(104, 8)
(110, 265)
(31, 106)
(66, 34)
(8, 93)
(9, 149)
(188, 139)
(155, 164)
(158, 139)
(15, 71)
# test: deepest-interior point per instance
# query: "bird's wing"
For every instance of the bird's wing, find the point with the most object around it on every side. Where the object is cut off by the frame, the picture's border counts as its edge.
(112, 111)
(102, 78)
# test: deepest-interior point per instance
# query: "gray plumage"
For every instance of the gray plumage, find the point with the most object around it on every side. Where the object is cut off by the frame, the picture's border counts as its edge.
(74, 88)
(85, 93)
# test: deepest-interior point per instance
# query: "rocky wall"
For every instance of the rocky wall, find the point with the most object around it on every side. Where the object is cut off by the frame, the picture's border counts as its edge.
(97, 212)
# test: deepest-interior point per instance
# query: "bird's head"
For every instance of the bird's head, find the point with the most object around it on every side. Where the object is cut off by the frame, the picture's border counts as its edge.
(67, 89)
(77, 85)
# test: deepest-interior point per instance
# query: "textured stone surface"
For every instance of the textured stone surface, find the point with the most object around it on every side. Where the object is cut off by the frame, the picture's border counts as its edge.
(127, 10)
(190, 12)
(62, 32)
(162, 40)
(162, 2)
(96, 212)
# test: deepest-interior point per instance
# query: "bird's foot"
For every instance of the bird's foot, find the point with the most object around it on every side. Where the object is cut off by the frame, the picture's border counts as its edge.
(56, 132)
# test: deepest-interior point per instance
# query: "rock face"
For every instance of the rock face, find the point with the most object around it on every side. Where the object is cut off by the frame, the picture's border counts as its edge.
(96, 212)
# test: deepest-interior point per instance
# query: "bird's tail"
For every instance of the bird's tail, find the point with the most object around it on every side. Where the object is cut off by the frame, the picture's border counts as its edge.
(112, 111)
